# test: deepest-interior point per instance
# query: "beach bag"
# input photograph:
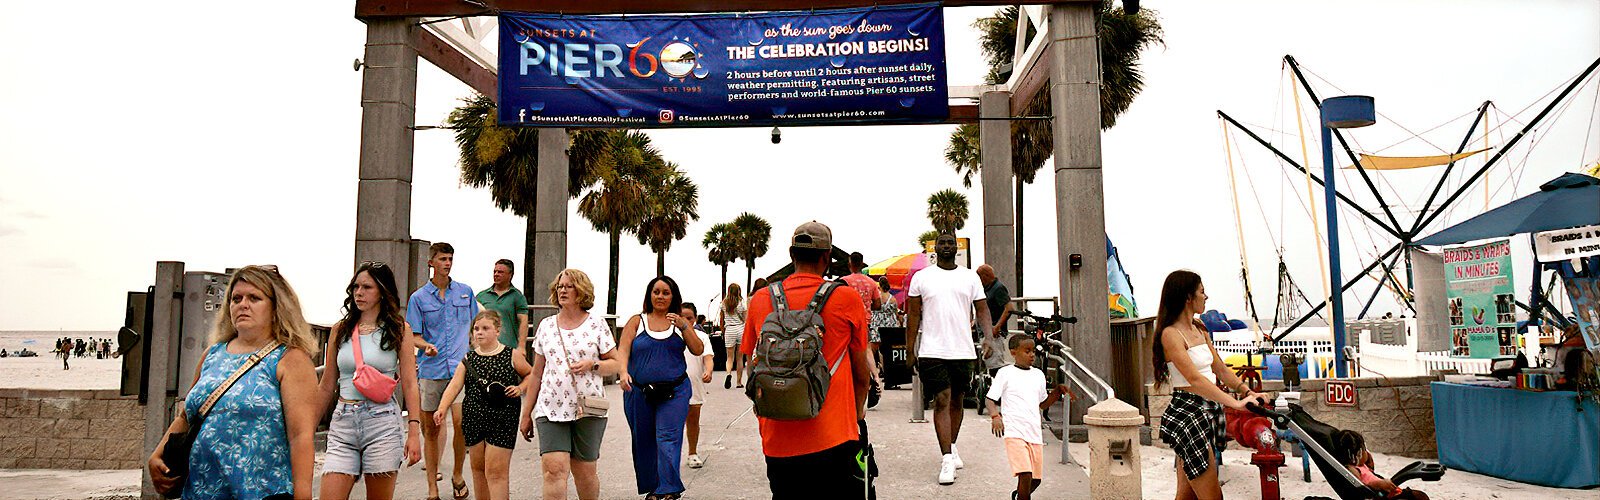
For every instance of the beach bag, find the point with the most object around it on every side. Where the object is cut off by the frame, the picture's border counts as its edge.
(789, 379)
(373, 384)
(181, 444)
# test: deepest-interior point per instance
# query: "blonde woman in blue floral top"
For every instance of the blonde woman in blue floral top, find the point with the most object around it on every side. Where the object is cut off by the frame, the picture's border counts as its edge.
(256, 441)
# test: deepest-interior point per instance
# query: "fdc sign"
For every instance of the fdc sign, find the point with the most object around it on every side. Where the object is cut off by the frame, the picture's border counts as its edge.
(1340, 393)
(866, 65)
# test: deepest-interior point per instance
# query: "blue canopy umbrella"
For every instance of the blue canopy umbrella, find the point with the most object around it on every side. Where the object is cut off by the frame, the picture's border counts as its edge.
(1571, 200)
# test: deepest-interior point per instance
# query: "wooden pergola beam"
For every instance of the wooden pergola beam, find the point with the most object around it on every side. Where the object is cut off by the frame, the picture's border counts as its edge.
(448, 8)
(446, 57)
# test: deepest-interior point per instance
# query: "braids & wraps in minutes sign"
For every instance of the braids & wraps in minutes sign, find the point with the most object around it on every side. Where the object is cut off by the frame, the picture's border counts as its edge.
(866, 65)
(1479, 287)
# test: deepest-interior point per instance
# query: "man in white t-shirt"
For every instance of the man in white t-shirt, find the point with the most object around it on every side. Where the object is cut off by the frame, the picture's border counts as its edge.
(1015, 399)
(939, 311)
(699, 372)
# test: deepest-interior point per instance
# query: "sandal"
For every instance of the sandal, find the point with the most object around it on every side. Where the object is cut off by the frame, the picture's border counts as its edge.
(459, 490)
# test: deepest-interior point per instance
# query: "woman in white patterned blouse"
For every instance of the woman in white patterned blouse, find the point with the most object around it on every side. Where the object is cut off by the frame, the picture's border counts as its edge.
(571, 351)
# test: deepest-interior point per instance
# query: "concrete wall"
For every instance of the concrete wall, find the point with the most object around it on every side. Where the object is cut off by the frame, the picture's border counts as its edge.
(1395, 414)
(54, 429)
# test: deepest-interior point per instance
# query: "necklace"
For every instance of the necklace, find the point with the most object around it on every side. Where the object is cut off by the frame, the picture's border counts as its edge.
(368, 327)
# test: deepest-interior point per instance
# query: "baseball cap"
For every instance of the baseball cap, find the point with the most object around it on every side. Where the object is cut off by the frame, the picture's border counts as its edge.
(812, 235)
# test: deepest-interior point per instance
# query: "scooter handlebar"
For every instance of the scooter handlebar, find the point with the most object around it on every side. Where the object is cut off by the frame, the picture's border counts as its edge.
(1263, 411)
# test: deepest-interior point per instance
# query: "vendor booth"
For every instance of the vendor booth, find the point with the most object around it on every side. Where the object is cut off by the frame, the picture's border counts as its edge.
(1518, 425)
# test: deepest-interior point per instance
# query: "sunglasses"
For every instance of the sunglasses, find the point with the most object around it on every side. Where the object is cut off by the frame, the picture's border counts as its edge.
(373, 264)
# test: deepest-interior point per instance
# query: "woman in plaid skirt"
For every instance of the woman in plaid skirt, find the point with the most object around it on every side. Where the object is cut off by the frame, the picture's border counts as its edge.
(1184, 358)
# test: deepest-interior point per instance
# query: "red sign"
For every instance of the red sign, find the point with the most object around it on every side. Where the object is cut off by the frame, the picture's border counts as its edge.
(1340, 393)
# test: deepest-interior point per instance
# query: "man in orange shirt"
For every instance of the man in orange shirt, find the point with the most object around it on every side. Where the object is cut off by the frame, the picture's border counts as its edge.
(816, 457)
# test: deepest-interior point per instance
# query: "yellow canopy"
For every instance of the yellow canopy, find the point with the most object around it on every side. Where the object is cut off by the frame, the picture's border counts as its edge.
(1371, 162)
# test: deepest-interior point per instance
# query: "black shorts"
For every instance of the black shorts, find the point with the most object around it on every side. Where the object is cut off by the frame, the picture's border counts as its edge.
(938, 375)
(832, 473)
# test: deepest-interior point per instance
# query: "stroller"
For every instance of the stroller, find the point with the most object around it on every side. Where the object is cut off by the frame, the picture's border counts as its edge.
(1317, 438)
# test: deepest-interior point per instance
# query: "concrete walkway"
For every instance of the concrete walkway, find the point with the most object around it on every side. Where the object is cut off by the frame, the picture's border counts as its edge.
(908, 457)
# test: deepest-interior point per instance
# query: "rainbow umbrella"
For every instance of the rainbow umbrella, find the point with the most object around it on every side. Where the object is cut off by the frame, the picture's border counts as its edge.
(898, 270)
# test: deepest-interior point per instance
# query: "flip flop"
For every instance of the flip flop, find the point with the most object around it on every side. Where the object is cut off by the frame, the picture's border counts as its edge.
(459, 490)
(727, 382)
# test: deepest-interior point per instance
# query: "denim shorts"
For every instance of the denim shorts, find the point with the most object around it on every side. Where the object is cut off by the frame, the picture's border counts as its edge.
(365, 438)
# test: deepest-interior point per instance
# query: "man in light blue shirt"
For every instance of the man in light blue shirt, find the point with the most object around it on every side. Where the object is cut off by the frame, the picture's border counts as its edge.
(441, 314)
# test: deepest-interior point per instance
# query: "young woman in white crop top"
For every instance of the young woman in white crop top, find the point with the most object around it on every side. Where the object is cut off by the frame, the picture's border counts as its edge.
(1185, 360)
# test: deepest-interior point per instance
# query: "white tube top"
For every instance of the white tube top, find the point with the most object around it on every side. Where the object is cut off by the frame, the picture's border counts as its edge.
(1200, 355)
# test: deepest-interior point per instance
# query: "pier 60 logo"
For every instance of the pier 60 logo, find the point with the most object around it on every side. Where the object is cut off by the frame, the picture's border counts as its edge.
(678, 59)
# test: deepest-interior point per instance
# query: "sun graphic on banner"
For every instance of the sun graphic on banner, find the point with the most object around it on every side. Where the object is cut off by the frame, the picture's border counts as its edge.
(681, 58)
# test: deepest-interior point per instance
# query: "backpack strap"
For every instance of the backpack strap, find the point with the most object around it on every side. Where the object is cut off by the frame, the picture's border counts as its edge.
(815, 307)
(779, 301)
(821, 297)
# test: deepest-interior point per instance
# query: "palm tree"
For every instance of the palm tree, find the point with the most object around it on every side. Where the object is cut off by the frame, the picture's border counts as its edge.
(622, 168)
(1122, 36)
(751, 235)
(947, 210)
(672, 201)
(503, 159)
(720, 249)
(925, 237)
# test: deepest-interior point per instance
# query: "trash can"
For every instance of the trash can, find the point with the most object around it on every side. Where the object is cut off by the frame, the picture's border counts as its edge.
(1130, 360)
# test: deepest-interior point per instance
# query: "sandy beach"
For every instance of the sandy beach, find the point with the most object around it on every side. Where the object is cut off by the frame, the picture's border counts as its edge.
(44, 371)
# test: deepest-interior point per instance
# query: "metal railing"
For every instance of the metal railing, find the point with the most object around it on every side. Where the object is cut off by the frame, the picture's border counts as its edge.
(1096, 388)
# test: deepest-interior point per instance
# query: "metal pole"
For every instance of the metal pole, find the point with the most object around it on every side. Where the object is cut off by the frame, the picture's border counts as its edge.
(1337, 318)
(1393, 231)
(1295, 67)
(918, 406)
(161, 344)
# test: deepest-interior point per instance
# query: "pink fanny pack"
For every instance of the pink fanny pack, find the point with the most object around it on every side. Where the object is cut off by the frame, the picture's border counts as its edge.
(373, 384)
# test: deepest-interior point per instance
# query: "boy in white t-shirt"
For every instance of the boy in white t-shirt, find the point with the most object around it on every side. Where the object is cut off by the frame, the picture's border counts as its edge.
(699, 372)
(1015, 399)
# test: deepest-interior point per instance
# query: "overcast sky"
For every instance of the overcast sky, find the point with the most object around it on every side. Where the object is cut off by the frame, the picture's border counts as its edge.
(224, 134)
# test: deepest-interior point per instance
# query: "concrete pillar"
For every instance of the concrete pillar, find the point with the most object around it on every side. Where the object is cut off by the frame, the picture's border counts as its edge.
(1080, 199)
(1114, 466)
(161, 359)
(550, 221)
(919, 406)
(388, 110)
(999, 233)
(418, 269)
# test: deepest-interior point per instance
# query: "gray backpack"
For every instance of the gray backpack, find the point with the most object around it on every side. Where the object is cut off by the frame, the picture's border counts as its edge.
(789, 379)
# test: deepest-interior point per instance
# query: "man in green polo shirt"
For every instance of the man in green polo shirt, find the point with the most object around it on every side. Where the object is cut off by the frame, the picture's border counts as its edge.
(511, 304)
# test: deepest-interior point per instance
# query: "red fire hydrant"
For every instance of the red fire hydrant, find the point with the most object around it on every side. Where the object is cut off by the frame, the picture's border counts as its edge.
(1254, 431)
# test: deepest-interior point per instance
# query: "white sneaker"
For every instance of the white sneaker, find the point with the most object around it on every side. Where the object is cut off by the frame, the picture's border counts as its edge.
(695, 461)
(953, 453)
(947, 470)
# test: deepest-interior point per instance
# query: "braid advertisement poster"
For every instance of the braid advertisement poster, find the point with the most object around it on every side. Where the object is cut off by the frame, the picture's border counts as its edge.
(882, 64)
(1584, 291)
(1480, 289)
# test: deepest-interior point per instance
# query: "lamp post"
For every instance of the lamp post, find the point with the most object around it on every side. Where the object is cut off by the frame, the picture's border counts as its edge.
(1350, 111)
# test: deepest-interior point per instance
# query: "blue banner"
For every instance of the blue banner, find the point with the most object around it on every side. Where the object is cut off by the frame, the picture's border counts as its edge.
(865, 65)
